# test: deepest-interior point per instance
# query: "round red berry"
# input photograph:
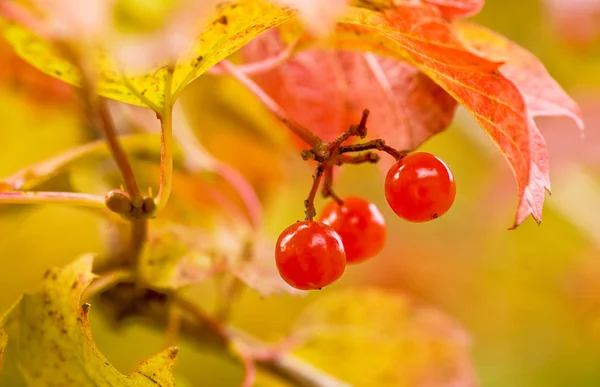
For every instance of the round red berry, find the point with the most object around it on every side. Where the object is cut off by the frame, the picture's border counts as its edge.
(310, 255)
(360, 225)
(420, 187)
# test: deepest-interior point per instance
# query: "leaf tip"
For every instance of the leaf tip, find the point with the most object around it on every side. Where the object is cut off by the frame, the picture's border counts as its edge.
(85, 309)
(172, 353)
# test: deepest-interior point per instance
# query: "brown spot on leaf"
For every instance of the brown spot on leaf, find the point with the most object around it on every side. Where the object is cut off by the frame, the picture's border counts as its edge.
(197, 61)
(222, 20)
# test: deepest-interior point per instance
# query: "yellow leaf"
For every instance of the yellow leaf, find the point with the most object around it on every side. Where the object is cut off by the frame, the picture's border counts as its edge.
(3, 341)
(156, 370)
(54, 344)
(372, 337)
(233, 25)
(3, 334)
(176, 256)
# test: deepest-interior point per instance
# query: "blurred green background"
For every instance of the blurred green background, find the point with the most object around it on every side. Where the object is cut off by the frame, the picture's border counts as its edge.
(530, 298)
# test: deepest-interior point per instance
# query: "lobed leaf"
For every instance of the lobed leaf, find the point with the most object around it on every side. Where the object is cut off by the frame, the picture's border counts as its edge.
(420, 35)
(368, 336)
(501, 84)
(54, 344)
(234, 24)
(543, 97)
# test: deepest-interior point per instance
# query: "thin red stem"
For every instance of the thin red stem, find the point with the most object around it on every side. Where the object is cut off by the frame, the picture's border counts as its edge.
(309, 203)
(100, 117)
(108, 129)
(328, 185)
(261, 66)
(41, 197)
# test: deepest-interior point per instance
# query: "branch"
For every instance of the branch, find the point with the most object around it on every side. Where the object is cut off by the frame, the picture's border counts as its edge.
(374, 144)
(106, 281)
(40, 197)
(107, 127)
(102, 120)
(35, 174)
(127, 301)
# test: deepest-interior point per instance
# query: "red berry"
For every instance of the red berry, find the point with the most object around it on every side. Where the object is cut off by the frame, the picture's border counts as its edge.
(420, 187)
(310, 255)
(360, 225)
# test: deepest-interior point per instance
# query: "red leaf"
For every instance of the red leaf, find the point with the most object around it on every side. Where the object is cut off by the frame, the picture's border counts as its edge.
(457, 8)
(421, 35)
(325, 90)
(504, 101)
(543, 96)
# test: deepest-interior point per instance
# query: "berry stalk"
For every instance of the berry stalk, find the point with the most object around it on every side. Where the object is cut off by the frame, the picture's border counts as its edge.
(309, 203)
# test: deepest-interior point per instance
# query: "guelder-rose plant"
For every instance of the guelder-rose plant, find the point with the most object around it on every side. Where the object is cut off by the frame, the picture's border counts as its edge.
(352, 82)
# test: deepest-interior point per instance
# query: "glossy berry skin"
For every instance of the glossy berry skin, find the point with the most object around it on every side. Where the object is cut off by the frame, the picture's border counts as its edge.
(310, 255)
(360, 225)
(420, 187)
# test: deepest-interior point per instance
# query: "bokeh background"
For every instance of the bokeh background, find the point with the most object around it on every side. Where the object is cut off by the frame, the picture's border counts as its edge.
(529, 298)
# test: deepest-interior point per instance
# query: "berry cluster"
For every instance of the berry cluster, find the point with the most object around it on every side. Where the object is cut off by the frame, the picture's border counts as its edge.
(311, 254)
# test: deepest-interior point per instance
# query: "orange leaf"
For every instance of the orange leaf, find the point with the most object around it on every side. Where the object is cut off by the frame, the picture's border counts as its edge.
(542, 94)
(422, 36)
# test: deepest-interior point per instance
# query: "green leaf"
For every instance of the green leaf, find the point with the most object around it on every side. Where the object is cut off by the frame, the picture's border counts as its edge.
(372, 337)
(54, 344)
(233, 25)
